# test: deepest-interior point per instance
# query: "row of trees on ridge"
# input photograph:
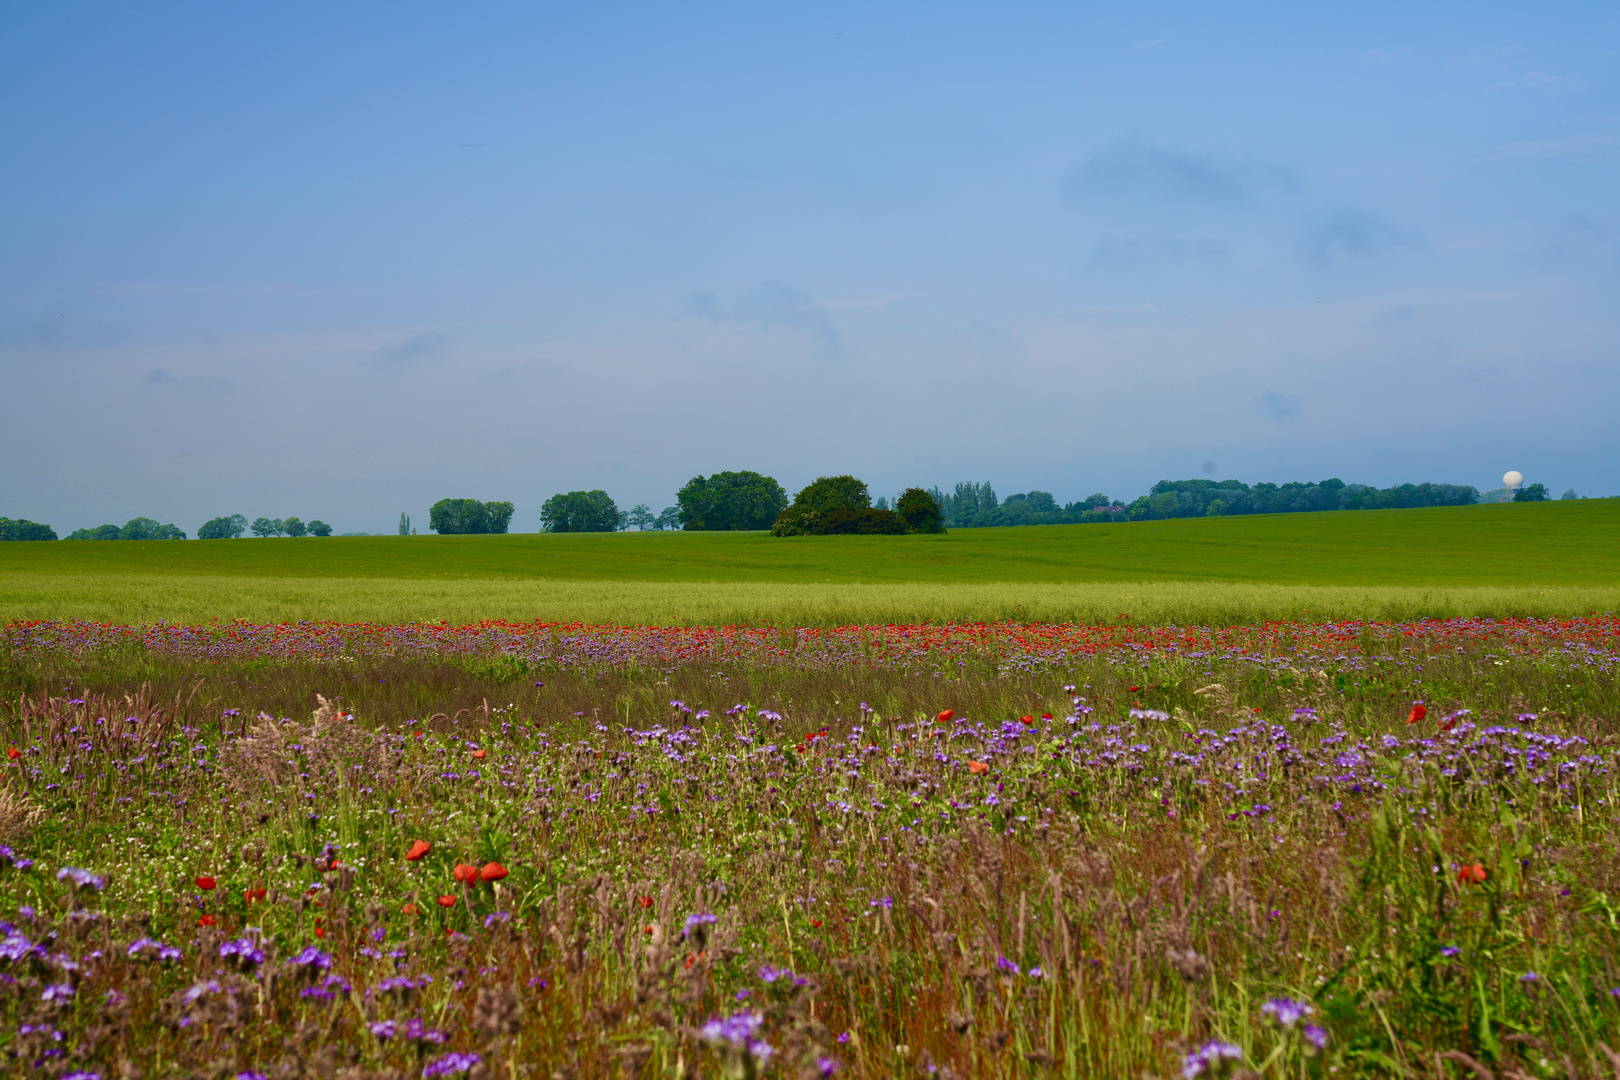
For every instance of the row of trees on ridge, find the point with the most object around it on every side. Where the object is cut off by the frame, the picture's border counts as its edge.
(975, 505)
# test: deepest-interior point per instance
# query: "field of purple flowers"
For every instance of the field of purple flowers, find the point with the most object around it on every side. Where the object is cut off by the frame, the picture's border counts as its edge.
(1282, 851)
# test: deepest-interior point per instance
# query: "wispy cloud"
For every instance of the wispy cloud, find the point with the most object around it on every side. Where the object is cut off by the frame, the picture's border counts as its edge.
(1543, 79)
(1480, 59)
(1111, 251)
(1133, 166)
(1549, 148)
(772, 304)
(1351, 233)
(1155, 43)
(413, 351)
(170, 380)
(1280, 407)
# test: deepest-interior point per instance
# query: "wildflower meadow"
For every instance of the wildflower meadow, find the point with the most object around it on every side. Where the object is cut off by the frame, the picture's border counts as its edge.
(543, 850)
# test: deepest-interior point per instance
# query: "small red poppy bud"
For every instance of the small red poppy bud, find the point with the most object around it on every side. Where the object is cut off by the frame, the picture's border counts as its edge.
(206, 883)
(418, 849)
(648, 930)
(816, 923)
(447, 901)
(320, 931)
(492, 872)
(1134, 689)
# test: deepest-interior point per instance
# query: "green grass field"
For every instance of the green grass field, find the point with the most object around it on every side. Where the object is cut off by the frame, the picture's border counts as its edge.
(1554, 558)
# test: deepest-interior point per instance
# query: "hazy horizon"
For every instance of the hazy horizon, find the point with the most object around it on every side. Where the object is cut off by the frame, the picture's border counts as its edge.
(340, 263)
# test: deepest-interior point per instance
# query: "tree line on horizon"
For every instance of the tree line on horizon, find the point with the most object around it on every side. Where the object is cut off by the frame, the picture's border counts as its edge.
(973, 505)
(729, 501)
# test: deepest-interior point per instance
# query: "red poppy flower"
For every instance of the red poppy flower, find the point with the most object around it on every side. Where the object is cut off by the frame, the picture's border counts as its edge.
(207, 920)
(1134, 689)
(1046, 716)
(1255, 709)
(447, 901)
(206, 883)
(13, 753)
(410, 909)
(1419, 711)
(977, 767)
(648, 930)
(251, 895)
(1030, 720)
(418, 849)
(467, 875)
(644, 901)
(492, 872)
(480, 754)
(320, 931)
(945, 717)
(1472, 875)
(816, 923)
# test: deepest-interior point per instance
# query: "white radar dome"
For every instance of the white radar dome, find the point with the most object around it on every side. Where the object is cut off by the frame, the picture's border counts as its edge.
(1512, 478)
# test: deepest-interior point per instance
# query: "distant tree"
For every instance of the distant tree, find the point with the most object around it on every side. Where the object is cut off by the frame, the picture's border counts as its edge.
(669, 518)
(404, 524)
(580, 511)
(168, 532)
(319, 528)
(293, 527)
(141, 528)
(640, 516)
(882, 503)
(920, 510)
(498, 516)
(266, 526)
(23, 529)
(819, 498)
(223, 528)
(1570, 494)
(1532, 493)
(100, 532)
(448, 516)
(730, 501)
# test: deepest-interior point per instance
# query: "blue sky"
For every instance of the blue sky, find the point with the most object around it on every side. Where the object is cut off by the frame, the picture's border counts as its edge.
(290, 260)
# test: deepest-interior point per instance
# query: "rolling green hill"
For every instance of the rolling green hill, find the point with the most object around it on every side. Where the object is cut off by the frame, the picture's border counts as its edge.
(1425, 561)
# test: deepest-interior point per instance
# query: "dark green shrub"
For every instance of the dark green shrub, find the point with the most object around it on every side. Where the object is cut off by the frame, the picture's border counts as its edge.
(867, 521)
(1533, 493)
(795, 521)
(922, 513)
(100, 532)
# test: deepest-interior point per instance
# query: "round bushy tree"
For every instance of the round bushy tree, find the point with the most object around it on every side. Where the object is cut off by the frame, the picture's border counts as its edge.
(922, 513)
(730, 501)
